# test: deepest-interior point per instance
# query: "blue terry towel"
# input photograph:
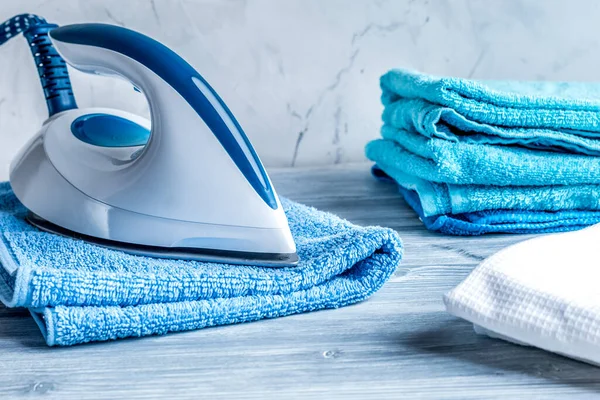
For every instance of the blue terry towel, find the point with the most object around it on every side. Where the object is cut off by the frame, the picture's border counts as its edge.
(541, 115)
(493, 221)
(78, 292)
(439, 160)
(502, 221)
(443, 198)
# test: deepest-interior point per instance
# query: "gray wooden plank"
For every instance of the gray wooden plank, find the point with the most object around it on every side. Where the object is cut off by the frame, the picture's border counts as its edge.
(400, 343)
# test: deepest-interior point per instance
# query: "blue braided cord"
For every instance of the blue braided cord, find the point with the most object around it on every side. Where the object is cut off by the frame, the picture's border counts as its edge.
(18, 24)
(52, 69)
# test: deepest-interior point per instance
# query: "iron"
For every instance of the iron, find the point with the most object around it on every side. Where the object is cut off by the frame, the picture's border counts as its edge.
(187, 184)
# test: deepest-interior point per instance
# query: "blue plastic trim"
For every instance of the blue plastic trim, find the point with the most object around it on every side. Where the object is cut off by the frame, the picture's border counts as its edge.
(107, 130)
(178, 73)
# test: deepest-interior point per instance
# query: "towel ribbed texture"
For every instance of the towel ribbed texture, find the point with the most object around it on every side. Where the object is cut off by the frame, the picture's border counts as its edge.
(79, 292)
(460, 148)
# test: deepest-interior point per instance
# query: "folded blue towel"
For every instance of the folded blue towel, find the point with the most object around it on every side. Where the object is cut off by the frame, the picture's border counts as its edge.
(435, 121)
(502, 221)
(493, 221)
(444, 198)
(78, 292)
(542, 115)
(439, 160)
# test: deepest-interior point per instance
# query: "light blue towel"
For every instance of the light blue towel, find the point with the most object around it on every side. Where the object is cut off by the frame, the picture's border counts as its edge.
(548, 115)
(78, 292)
(439, 160)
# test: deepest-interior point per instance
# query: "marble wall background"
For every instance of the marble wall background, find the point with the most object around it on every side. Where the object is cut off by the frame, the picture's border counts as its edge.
(302, 75)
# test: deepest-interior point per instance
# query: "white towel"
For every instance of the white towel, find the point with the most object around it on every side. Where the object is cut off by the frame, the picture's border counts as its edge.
(543, 292)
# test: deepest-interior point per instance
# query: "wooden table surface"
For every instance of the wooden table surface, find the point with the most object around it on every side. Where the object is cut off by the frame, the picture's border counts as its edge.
(398, 344)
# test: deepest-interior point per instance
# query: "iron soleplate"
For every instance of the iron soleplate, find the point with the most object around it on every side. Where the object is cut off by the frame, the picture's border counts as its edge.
(273, 260)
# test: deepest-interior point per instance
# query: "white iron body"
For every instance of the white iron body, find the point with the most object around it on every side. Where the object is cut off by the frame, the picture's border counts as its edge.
(181, 191)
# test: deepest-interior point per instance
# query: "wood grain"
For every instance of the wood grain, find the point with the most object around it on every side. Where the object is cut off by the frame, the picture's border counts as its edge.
(398, 344)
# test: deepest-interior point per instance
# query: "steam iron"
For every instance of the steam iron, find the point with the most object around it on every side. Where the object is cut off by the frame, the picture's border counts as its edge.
(187, 185)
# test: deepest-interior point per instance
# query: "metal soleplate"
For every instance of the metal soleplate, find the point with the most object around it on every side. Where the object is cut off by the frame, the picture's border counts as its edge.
(273, 260)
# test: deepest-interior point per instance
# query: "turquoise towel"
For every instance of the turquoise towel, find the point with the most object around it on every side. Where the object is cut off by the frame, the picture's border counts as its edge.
(542, 115)
(434, 121)
(494, 221)
(443, 198)
(78, 292)
(439, 160)
(503, 221)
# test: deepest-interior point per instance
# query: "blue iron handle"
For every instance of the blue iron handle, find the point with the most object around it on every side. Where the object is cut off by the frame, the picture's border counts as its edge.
(183, 78)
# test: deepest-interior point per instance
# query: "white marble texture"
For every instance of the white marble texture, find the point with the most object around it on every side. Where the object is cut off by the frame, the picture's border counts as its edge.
(302, 75)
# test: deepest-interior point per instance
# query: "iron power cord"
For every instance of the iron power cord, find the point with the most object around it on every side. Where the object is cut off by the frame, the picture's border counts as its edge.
(52, 69)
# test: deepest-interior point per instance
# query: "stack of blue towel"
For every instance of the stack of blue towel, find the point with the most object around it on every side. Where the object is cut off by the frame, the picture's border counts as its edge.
(477, 157)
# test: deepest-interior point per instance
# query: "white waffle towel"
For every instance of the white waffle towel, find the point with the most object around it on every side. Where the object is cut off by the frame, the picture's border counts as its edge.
(543, 292)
